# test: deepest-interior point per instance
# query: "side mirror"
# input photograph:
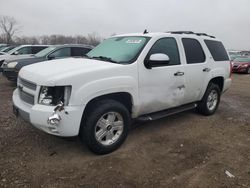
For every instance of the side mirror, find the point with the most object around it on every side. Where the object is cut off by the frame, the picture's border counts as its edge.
(16, 53)
(50, 57)
(157, 60)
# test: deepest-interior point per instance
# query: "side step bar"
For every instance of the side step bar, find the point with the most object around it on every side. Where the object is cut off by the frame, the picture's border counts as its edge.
(168, 112)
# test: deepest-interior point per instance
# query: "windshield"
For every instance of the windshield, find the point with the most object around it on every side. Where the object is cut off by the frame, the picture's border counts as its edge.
(242, 60)
(45, 51)
(119, 49)
(14, 49)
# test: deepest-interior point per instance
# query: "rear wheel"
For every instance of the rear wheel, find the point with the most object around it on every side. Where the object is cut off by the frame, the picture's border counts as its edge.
(210, 101)
(248, 70)
(106, 126)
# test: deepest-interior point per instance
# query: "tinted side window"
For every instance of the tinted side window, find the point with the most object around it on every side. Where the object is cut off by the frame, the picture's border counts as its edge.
(24, 50)
(193, 50)
(217, 50)
(166, 46)
(36, 49)
(78, 51)
(63, 52)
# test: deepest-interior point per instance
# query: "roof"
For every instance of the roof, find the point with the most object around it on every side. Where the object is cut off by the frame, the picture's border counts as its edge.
(76, 45)
(33, 45)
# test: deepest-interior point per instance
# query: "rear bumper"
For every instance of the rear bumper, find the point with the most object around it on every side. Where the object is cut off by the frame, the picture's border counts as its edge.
(10, 74)
(227, 84)
(240, 69)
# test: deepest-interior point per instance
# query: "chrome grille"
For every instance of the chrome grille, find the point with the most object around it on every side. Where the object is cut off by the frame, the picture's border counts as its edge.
(27, 84)
(26, 97)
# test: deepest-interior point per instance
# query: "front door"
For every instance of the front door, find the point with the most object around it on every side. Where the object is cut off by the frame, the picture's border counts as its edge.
(162, 87)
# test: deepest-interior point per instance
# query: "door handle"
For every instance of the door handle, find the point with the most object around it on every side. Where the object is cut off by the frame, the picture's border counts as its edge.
(179, 73)
(206, 70)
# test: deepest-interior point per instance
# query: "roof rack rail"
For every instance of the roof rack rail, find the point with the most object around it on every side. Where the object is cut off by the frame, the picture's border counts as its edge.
(181, 32)
(190, 32)
(204, 34)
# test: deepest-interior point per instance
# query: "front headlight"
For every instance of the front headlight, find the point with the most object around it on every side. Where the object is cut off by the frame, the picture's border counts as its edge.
(12, 64)
(54, 95)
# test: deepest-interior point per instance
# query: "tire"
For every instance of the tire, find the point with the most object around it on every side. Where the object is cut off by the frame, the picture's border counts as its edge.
(210, 101)
(105, 126)
(248, 70)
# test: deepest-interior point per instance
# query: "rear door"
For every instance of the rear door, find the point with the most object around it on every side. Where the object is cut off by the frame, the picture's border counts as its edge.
(162, 87)
(196, 69)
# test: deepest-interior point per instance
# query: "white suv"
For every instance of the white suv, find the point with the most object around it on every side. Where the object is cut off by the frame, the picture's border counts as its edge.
(127, 77)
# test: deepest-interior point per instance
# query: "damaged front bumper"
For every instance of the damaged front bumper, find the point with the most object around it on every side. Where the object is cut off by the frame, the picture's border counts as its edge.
(61, 123)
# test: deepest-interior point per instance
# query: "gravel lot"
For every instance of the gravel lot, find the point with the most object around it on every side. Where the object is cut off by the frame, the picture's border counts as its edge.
(184, 150)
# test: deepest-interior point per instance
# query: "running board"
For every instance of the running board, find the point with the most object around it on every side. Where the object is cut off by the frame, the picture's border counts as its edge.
(168, 112)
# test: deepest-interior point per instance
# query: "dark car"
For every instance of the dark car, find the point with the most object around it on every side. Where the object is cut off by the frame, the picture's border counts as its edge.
(241, 65)
(10, 69)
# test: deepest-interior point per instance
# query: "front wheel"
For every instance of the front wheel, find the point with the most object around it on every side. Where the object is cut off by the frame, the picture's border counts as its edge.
(210, 101)
(106, 126)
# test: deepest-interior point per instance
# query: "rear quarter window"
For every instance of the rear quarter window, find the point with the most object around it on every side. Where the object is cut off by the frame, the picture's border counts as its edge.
(217, 50)
(79, 51)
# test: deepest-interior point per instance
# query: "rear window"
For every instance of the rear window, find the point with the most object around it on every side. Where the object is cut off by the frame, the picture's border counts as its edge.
(193, 50)
(36, 49)
(242, 60)
(79, 51)
(217, 50)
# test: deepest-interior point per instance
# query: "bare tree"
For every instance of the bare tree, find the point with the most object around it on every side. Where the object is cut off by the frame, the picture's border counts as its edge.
(9, 27)
(93, 38)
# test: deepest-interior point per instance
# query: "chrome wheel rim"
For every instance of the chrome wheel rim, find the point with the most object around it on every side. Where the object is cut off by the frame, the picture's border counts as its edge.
(212, 100)
(109, 128)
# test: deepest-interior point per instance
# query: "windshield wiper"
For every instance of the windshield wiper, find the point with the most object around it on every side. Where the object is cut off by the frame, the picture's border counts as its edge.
(105, 59)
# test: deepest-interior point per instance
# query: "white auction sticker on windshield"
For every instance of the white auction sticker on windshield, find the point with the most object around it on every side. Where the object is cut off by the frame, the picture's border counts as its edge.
(134, 41)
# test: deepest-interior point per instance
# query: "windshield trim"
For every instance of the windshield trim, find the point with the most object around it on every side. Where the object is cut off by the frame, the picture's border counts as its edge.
(14, 50)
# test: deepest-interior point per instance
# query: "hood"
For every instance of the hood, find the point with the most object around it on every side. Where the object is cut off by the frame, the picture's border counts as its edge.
(4, 57)
(28, 61)
(16, 57)
(54, 71)
(9, 57)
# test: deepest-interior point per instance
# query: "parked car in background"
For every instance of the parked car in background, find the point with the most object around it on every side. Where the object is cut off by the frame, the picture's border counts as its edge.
(24, 50)
(142, 76)
(11, 68)
(241, 65)
(3, 46)
(2, 53)
(234, 54)
(8, 48)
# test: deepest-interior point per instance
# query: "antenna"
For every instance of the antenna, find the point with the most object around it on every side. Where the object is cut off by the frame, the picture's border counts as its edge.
(145, 31)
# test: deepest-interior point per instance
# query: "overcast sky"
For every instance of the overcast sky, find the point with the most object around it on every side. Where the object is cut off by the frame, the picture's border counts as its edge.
(228, 20)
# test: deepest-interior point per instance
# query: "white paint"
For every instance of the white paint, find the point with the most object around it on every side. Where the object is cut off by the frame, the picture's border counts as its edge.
(151, 89)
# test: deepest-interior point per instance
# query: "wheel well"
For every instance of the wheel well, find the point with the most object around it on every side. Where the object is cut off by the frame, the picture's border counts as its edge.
(122, 97)
(218, 81)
